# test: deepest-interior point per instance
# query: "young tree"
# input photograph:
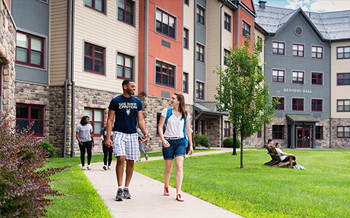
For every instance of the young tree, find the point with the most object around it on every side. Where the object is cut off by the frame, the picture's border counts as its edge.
(243, 93)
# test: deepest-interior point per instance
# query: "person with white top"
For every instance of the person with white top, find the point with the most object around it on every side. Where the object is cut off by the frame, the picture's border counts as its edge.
(283, 155)
(174, 143)
(84, 135)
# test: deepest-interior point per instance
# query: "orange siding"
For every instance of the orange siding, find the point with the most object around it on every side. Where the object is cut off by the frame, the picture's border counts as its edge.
(248, 19)
(249, 4)
(141, 74)
(8, 3)
(156, 50)
(234, 29)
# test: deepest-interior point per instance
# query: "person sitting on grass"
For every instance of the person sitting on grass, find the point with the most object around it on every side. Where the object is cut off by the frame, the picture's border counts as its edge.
(284, 156)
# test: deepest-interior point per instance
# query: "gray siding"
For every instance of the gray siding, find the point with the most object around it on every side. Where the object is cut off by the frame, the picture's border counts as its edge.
(200, 37)
(288, 63)
(32, 16)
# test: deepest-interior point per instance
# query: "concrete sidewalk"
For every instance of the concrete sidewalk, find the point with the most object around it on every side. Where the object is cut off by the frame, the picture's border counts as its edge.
(147, 196)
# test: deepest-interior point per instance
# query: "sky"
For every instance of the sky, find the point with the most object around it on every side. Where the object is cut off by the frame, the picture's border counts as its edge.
(310, 5)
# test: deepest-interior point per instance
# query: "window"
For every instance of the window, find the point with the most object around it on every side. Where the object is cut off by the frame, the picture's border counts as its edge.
(165, 23)
(298, 50)
(280, 105)
(343, 131)
(158, 118)
(227, 52)
(187, 2)
(126, 11)
(185, 36)
(98, 5)
(343, 78)
(278, 132)
(227, 22)
(319, 132)
(200, 15)
(316, 105)
(317, 52)
(278, 76)
(343, 105)
(26, 114)
(199, 90)
(165, 74)
(94, 59)
(96, 119)
(30, 50)
(278, 48)
(125, 67)
(298, 77)
(316, 78)
(227, 129)
(200, 52)
(298, 104)
(245, 29)
(259, 133)
(343, 52)
(185, 83)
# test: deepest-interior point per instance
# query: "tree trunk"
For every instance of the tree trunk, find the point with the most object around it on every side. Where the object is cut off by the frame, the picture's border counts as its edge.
(241, 151)
(234, 140)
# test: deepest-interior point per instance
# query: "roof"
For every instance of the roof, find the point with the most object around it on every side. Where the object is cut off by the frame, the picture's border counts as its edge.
(301, 118)
(208, 107)
(331, 25)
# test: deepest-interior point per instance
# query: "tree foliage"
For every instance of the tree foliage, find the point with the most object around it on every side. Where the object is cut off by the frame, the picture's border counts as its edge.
(243, 93)
(23, 182)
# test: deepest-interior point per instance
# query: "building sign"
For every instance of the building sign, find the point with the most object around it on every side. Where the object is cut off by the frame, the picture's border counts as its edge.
(307, 91)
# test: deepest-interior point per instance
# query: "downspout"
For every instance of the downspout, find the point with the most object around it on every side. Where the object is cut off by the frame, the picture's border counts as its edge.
(222, 117)
(73, 84)
(330, 105)
(146, 48)
(66, 83)
(194, 70)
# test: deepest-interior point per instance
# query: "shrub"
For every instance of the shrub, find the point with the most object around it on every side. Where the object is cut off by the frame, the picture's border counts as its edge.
(202, 140)
(48, 148)
(24, 185)
(228, 143)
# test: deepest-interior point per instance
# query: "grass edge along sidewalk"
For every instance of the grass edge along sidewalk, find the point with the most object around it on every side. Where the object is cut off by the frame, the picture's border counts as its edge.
(322, 190)
(81, 198)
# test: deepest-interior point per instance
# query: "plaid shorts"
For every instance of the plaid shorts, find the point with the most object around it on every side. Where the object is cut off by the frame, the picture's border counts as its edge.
(126, 145)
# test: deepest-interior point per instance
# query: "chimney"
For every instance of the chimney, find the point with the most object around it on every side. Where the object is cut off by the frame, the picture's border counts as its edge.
(262, 4)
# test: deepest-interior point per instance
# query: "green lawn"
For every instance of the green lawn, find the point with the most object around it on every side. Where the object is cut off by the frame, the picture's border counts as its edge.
(322, 190)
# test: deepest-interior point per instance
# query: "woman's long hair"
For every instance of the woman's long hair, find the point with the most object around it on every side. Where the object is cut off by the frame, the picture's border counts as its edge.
(182, 108)
(83, 120)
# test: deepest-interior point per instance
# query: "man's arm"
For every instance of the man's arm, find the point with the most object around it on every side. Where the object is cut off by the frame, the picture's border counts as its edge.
(142, 125)
(110, 119)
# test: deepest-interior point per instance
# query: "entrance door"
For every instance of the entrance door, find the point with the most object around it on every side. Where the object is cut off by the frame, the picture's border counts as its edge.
(303, 138)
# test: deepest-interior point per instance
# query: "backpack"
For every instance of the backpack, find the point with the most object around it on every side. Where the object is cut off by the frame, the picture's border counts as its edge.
(168, 114)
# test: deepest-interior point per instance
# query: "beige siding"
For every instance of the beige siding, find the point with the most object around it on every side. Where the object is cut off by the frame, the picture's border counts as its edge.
(58, 42)
(106, 31)
(262, 36)
(227, 36)
(212, 48)
(188, 54)
(338, 92)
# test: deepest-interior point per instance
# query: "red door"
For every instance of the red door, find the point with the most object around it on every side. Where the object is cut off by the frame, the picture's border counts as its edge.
(303, 138)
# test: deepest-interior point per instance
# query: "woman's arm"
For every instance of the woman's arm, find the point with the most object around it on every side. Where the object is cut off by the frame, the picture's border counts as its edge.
(160, 130)
(77, 136)
(189, 135)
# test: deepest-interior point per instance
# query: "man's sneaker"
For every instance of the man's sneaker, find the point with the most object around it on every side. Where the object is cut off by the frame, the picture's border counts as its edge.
(127, 194)
(89, 168)
(119, 196)
(83, 168)
(109, 167)
(105, 167)
(146, 157)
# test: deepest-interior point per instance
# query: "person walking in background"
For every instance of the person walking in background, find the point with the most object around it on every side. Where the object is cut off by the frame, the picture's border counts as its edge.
(126, 112)
(142, 145)
(177, 121)
(107, 151)
(84, 135)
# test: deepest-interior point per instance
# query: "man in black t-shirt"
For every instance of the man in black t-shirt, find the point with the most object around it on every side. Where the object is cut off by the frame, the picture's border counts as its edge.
(127, 112)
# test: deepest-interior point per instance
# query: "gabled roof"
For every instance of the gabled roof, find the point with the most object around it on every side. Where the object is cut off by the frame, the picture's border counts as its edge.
(329, 25)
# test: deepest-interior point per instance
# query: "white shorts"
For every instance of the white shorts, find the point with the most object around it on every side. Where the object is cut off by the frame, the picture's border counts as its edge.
(126, 145)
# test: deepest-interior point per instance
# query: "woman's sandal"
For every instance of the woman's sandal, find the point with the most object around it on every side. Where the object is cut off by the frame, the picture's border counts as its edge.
(179, 198)
(166, 191)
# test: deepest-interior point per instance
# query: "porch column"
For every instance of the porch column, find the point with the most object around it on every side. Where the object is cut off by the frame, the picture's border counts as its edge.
(293, 136)
(313, 136)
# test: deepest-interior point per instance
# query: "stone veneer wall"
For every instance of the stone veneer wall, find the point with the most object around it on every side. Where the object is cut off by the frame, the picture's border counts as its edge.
(7, 58)
(56, 119)
(339, 142)
(277, 121)
(323, 143)
(213, 131)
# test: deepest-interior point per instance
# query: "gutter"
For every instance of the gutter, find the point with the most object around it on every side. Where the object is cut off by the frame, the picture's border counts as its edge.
(145, 72)
(194, 69)
(66, 83)
(73, 83)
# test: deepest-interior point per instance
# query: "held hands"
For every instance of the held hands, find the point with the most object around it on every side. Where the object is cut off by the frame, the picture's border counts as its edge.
(144, 139)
